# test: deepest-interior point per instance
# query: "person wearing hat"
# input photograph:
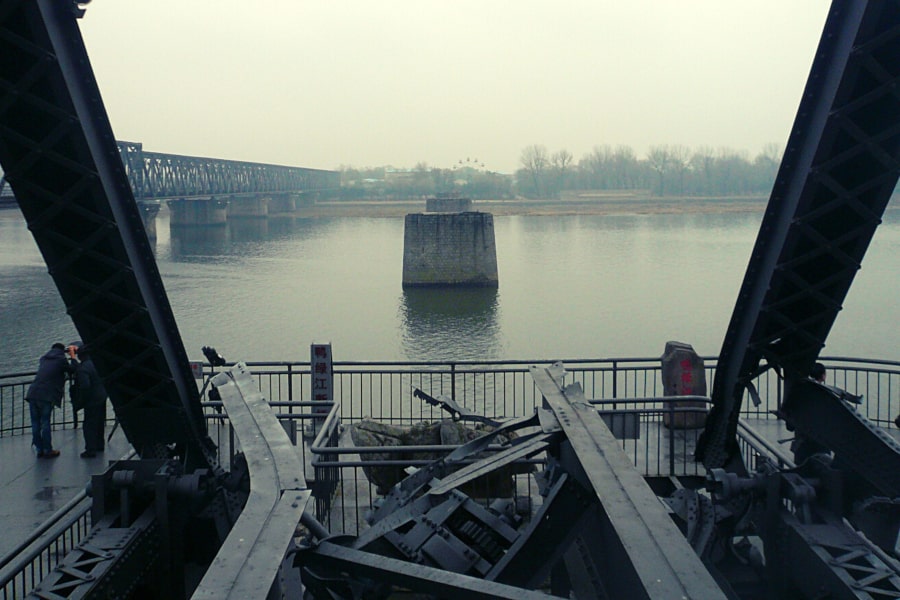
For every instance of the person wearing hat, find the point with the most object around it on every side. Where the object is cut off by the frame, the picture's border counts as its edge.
(90, 395)
(44, 394)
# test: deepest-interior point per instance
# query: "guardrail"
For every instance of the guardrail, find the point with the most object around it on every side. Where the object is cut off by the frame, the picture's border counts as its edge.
(496, 389)
(28, 563)
(23, 568)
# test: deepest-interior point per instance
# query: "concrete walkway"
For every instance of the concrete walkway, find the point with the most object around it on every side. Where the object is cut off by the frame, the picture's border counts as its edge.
(32, 489)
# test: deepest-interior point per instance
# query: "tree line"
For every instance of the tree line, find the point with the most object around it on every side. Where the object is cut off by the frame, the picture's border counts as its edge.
(667, 170)
(388, 183)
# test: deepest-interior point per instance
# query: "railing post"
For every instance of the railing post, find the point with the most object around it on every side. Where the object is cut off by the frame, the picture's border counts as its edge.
(615, 374)
(290, 385)
(453, 381)
(671, 408)
(778, 390)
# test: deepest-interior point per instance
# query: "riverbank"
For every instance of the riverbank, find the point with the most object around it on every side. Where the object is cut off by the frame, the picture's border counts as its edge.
(593, 205)
(606, 205)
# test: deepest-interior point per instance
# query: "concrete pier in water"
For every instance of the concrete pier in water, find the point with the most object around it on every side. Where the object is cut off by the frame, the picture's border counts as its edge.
(198, 211)
(205, 211)
(449, 248)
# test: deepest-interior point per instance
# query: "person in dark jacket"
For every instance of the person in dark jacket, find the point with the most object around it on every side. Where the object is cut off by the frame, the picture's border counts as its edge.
(45, 393)
(91, 396)
(803, 446)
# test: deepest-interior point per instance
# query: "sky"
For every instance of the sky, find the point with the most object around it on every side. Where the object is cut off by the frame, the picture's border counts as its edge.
(364, 84)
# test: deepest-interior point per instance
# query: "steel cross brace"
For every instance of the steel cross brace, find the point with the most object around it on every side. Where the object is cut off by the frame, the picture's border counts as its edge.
(647, 556)
(829, 559)
(111, 563)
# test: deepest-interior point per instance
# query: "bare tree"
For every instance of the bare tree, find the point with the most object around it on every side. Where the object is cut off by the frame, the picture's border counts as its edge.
(534, 160)
(443, 180)
(766, 165)
(703, 162)
(733, 170)
(597, 166)
(624, 167)
(561, 163)
(771, 152)
(679, 160)
(658, 159)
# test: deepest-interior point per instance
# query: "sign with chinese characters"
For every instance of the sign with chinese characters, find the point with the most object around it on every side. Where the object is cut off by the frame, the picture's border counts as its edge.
(684, 374)
(322, 375)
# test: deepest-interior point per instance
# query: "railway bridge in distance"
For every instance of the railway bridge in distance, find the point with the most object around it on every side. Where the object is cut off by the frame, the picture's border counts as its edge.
(207, 191)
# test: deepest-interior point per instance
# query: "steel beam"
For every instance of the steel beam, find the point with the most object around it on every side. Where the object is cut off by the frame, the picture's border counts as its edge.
(437, 582)
(111, 562)
(521, 448)
(818, 412)
(250, 557)
(646, 556)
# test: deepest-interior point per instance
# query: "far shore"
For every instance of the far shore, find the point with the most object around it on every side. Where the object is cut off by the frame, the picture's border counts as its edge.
(607, 205)
(593, 205)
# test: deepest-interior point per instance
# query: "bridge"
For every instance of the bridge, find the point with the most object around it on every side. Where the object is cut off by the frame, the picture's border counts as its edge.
(828, 525)
(206, 191)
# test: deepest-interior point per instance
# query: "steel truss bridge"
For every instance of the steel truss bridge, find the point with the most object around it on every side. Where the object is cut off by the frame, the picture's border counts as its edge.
(158, 176)
(176, 517)
(161, 176)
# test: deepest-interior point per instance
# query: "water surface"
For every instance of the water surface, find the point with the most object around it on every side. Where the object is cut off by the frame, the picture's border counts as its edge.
(570, 286)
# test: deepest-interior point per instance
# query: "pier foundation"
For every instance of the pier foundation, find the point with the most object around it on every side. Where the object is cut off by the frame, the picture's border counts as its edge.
(254, 207)
(198, 211)
(449, 249)
(282, 204)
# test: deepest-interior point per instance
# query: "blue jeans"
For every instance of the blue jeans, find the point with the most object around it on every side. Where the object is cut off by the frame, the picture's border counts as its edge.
(40, 425)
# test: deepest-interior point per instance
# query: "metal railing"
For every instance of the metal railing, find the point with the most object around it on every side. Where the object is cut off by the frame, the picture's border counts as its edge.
(497, 389)
(23, 568)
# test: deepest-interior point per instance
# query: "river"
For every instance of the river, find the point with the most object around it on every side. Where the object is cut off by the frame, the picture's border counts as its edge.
(593, 286)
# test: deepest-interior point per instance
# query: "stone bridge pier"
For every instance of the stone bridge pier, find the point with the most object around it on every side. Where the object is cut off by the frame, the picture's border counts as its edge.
(253, 206)
(449, 245)
(203, 211)
(283, 203)
(189, 212)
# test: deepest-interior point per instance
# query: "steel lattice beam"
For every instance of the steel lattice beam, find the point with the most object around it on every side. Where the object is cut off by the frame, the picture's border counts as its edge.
(60, 158)
(837, 175)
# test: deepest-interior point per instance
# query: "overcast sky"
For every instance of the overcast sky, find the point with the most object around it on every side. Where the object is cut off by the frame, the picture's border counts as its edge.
(364, 83)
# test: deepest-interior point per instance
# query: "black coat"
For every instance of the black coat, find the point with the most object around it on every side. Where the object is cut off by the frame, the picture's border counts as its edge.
(50, 380)
(90, 390)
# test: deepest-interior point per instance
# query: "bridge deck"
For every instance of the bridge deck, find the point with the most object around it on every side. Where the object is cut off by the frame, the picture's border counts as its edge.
(32, 489)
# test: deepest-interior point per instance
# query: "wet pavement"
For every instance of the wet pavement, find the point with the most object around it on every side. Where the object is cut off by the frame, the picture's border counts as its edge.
(32, 489)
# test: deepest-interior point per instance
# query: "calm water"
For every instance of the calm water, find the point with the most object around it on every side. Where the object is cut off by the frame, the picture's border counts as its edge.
(575, 286)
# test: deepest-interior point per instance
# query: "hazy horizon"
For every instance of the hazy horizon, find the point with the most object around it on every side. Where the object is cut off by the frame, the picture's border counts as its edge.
(366, 84)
